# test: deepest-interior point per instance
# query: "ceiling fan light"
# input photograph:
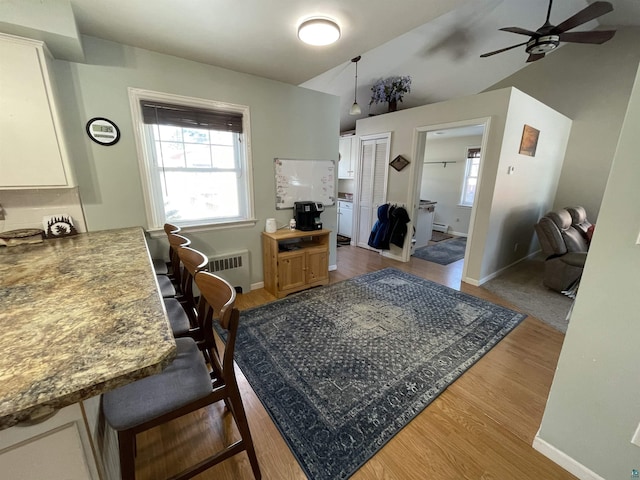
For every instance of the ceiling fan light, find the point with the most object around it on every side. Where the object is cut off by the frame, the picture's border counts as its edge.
(355, 109)
(543, 44)
(319, 31)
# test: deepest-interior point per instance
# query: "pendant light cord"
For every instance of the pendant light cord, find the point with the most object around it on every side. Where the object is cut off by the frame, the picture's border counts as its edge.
(355, 88)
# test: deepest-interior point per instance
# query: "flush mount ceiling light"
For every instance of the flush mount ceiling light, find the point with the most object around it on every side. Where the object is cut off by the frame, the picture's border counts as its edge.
(319, 31)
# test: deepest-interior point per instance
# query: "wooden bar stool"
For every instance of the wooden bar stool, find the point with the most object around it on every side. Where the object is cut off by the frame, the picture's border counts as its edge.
(186, 385)
(193, 262)
(160, 265)
(170, 286)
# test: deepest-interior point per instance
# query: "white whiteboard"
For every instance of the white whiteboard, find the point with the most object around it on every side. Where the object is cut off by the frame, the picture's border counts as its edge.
(304, 180)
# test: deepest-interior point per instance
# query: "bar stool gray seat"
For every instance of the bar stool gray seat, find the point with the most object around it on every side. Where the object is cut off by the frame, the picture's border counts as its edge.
(178, 318)
(160, 266)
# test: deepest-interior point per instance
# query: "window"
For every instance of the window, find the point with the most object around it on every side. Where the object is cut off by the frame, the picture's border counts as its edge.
(194, 160)
(470, 181)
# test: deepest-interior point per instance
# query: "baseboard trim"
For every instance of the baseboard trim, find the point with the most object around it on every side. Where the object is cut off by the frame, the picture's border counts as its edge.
(471, 281)
(565, 461)
(493, 275)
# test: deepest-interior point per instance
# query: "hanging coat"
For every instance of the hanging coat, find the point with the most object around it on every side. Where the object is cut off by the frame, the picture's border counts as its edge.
(380, 231)
(398, 226)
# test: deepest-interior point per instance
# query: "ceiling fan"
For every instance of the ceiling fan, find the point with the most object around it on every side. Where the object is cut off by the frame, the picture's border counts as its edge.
(548, 36)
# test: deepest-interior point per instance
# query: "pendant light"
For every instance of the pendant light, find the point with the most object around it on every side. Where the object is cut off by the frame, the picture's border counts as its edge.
(355, 108)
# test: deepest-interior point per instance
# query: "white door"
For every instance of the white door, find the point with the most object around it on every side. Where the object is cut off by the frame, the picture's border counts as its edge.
(372, 185)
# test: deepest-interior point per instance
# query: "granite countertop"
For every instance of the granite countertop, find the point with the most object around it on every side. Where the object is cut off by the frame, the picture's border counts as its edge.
(79, 315)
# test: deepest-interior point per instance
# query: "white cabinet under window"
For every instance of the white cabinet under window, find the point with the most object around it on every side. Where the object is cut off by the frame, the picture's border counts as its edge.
(346, 164)
(32, 150)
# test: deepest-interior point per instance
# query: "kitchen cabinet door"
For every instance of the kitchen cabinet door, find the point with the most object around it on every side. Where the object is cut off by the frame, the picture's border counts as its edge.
(317, 264)
(291, 270)
(57, 448)
(345, 218)
(32, 151)
(346, 163)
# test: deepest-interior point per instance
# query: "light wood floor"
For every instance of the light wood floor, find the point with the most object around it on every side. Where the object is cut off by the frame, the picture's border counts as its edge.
(481, 427)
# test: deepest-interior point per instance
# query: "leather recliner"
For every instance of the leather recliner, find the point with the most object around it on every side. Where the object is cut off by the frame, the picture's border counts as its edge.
(565, 249)
(579, 221)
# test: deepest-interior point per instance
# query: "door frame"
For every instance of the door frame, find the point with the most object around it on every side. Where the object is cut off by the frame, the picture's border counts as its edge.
(419, 147)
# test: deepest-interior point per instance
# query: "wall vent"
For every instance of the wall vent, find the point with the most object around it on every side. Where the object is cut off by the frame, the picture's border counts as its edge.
(440, 227)
(234, 267)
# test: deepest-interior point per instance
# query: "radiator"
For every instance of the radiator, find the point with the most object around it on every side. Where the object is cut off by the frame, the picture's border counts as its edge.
(440, 227)
(234, 267)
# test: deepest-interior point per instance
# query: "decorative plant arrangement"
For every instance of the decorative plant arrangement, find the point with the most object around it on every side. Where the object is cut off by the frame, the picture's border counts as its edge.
(390, 90)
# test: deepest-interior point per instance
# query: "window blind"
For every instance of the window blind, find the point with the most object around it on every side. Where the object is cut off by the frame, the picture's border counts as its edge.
(473, 153)
(190, 117)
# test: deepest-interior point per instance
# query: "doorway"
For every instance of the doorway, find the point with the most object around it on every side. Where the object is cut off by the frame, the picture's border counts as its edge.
(448, 177)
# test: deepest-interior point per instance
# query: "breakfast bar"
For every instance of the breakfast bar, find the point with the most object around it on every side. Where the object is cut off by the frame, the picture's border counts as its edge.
(80, 315)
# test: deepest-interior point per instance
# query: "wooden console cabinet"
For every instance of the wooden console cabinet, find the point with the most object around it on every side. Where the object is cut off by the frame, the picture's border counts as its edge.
(294, 260)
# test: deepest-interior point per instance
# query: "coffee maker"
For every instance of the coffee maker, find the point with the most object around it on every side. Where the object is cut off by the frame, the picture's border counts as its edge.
(307, 215)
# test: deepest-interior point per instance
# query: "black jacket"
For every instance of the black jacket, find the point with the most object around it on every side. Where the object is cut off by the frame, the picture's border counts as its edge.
(398, 231)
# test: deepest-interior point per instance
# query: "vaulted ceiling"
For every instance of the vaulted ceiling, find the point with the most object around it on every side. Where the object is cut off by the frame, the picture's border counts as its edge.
(436, 42)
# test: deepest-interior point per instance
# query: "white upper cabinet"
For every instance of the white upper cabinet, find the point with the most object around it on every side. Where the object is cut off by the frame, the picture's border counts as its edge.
(32, 150)
(346, 163)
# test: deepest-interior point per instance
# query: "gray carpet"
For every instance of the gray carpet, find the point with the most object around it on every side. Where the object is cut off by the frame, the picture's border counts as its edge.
(443, 253)
(341, 369)
(522, 286)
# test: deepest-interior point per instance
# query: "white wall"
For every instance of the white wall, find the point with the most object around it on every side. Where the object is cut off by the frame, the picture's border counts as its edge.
(286, 121)
(26, 208)
(594, 404)
(591, 85)
(444, 184)
(522, 197)
(502, 199)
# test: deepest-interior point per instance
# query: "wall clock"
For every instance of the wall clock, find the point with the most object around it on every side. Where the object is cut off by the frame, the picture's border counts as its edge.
(103, 131)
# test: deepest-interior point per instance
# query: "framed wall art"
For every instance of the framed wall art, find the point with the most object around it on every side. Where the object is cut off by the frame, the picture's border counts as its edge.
(529, 141)
(399, 162)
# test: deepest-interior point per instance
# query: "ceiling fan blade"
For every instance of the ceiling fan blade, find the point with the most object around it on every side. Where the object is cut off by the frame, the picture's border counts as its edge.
(521, 31)
(535, 56)
(595, 36)
(502, 50)
(591, 12)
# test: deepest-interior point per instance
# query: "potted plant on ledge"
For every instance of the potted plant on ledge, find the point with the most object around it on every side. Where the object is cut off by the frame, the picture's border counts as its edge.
(390, 90)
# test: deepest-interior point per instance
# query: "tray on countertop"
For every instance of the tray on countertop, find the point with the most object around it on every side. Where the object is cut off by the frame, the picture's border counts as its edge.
(21, 237)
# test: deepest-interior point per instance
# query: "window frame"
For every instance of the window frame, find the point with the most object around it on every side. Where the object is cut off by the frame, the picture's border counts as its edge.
(465, 178)
(155, 220)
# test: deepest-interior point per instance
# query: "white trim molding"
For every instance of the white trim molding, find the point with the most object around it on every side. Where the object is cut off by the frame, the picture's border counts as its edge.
(565, 461)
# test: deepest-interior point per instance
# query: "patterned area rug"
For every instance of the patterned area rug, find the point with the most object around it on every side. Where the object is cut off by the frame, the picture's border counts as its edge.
(443, 253)
(342, 240)
(341, 369)
(439, 236)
